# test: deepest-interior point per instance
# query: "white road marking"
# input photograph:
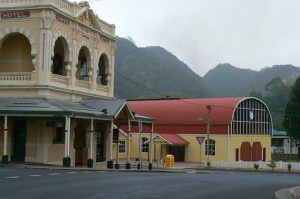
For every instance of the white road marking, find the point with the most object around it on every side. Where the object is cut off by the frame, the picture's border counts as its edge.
(34, 175)
(12, 177)
(72, 172)
(54, 174)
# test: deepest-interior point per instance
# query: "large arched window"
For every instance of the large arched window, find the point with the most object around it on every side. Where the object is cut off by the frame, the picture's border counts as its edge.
(210, 147)
(61, 53)
(103, 70)
(252, 117)
(84, 64)
(15, 54)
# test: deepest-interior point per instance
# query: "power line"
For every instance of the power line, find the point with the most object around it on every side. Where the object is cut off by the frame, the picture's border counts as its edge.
(138, 84)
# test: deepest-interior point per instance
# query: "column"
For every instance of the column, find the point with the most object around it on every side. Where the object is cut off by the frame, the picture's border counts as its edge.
(67, 158)
(90, 162)
(128, 146)
(110, 163)
(151, 148)
(5, 155)
(140, 146)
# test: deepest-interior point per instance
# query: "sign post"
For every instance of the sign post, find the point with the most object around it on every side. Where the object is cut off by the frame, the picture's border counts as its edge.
(200, 140)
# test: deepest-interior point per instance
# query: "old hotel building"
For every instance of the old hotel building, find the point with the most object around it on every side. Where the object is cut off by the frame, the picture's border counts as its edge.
(57, 83)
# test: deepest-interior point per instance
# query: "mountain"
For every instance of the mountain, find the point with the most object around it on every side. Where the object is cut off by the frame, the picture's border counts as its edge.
(153, 72)
(226, 80)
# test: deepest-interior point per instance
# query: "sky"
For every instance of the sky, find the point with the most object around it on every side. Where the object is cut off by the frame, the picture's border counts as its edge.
(203, 33)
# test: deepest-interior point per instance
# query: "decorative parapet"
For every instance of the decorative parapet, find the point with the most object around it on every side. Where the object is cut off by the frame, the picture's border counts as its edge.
(70, 8)
(64, 5)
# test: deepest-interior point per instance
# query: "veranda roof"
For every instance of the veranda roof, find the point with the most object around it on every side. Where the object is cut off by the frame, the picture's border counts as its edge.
(99, 108)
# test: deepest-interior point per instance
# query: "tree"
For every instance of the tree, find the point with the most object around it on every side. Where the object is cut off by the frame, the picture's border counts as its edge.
(292, 112)
(277, 96)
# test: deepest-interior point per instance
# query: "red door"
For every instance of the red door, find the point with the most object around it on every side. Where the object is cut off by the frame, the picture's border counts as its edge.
(246, 151)
(256, 151)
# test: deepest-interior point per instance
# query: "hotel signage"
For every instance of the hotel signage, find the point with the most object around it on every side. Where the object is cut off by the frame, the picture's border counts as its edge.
(15, 14)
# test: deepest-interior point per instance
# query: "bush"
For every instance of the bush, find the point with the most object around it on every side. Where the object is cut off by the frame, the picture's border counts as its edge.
(272, 164)
(289, 166)
(256, 166)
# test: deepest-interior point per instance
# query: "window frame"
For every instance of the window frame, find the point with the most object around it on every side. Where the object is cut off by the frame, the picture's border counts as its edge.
(122, 146)
(211, 147)
(145, 146)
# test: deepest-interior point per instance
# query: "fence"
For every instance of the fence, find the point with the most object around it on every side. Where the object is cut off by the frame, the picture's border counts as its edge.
(250, 165)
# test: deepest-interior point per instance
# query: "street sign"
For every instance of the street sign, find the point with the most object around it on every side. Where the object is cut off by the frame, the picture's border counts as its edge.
(200, 139)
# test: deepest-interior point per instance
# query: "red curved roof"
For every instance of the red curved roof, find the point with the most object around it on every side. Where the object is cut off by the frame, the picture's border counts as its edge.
(187, 113)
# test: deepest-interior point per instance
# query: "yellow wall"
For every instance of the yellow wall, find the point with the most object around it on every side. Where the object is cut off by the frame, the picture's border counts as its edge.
(192, 150)
(236, 141)
(134, 151)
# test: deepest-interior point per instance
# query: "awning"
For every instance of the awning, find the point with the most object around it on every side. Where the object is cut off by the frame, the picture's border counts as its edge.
(106, 109)
(171, 139)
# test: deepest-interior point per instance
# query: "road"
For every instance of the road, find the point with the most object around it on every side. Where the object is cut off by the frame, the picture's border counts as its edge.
(48, 183)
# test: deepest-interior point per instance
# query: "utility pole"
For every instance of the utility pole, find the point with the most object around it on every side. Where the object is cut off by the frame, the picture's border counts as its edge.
(208, 133)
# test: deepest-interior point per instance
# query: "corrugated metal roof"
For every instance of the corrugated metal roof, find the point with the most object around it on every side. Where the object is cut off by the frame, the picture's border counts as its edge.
(185, 116)
(187, 111)
(89, 107)
(174, 139)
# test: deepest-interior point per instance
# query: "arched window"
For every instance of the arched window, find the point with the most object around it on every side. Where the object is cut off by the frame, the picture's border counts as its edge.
(84, 61)
(252, 117)
(15, 54)
(57, 64)
(210, 147)
(145, 147)
(103, 70)
(61, 52)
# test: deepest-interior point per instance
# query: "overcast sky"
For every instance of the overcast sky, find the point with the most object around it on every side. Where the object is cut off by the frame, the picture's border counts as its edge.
(202, 33)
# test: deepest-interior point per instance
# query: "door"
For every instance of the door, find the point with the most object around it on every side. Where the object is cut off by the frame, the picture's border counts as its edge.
(178, 153)
(256, 151)
(100, 145)
(246, 151)
(80, 146)
(19, 149)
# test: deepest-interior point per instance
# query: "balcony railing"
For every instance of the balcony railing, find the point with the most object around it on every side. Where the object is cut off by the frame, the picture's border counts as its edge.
(82, 84)
(102, 88)
(15, 77)
(59, 79)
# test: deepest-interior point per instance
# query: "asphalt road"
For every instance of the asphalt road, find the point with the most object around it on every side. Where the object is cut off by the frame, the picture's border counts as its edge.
(47, 183)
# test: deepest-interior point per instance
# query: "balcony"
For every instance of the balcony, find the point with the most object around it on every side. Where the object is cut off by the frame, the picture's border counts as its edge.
(15, 78)
(59, 80)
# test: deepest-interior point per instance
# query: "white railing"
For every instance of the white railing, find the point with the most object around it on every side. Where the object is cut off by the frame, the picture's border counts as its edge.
(82, 84)
(14, 77)
(250, 165)
(59, 78)
(285, 150)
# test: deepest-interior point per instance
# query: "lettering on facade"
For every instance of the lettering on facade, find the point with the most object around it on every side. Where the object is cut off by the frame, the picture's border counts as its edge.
(62, 20)
(15, 14)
